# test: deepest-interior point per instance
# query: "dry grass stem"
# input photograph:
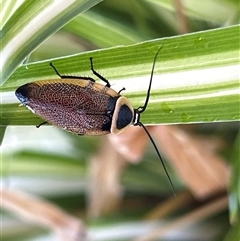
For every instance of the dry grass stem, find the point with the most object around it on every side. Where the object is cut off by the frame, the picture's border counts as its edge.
(41, 212)
(166, 208)
(181, 17)
(130, 144)
(201, 169)
(204, 212)
(105, 191)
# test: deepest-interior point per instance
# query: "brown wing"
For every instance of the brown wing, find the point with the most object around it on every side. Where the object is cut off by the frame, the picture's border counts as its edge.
(78, 106)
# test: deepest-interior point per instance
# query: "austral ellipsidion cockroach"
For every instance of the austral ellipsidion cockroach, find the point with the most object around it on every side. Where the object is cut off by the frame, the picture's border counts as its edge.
(84, 107)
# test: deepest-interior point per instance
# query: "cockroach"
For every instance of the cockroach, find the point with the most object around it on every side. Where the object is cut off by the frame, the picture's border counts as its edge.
(80, 105)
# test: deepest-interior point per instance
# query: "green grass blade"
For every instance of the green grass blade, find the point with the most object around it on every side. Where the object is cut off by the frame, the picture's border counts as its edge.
(205, 10)
(196, 78)
(106, 32)
(30, 25)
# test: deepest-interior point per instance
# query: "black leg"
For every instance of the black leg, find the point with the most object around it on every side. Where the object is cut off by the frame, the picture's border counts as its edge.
(69, 76)
(56, 71)
(98, 75)
(41, 124)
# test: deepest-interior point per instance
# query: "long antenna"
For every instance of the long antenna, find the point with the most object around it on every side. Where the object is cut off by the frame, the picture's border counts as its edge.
(164, 167)
(143, 108)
